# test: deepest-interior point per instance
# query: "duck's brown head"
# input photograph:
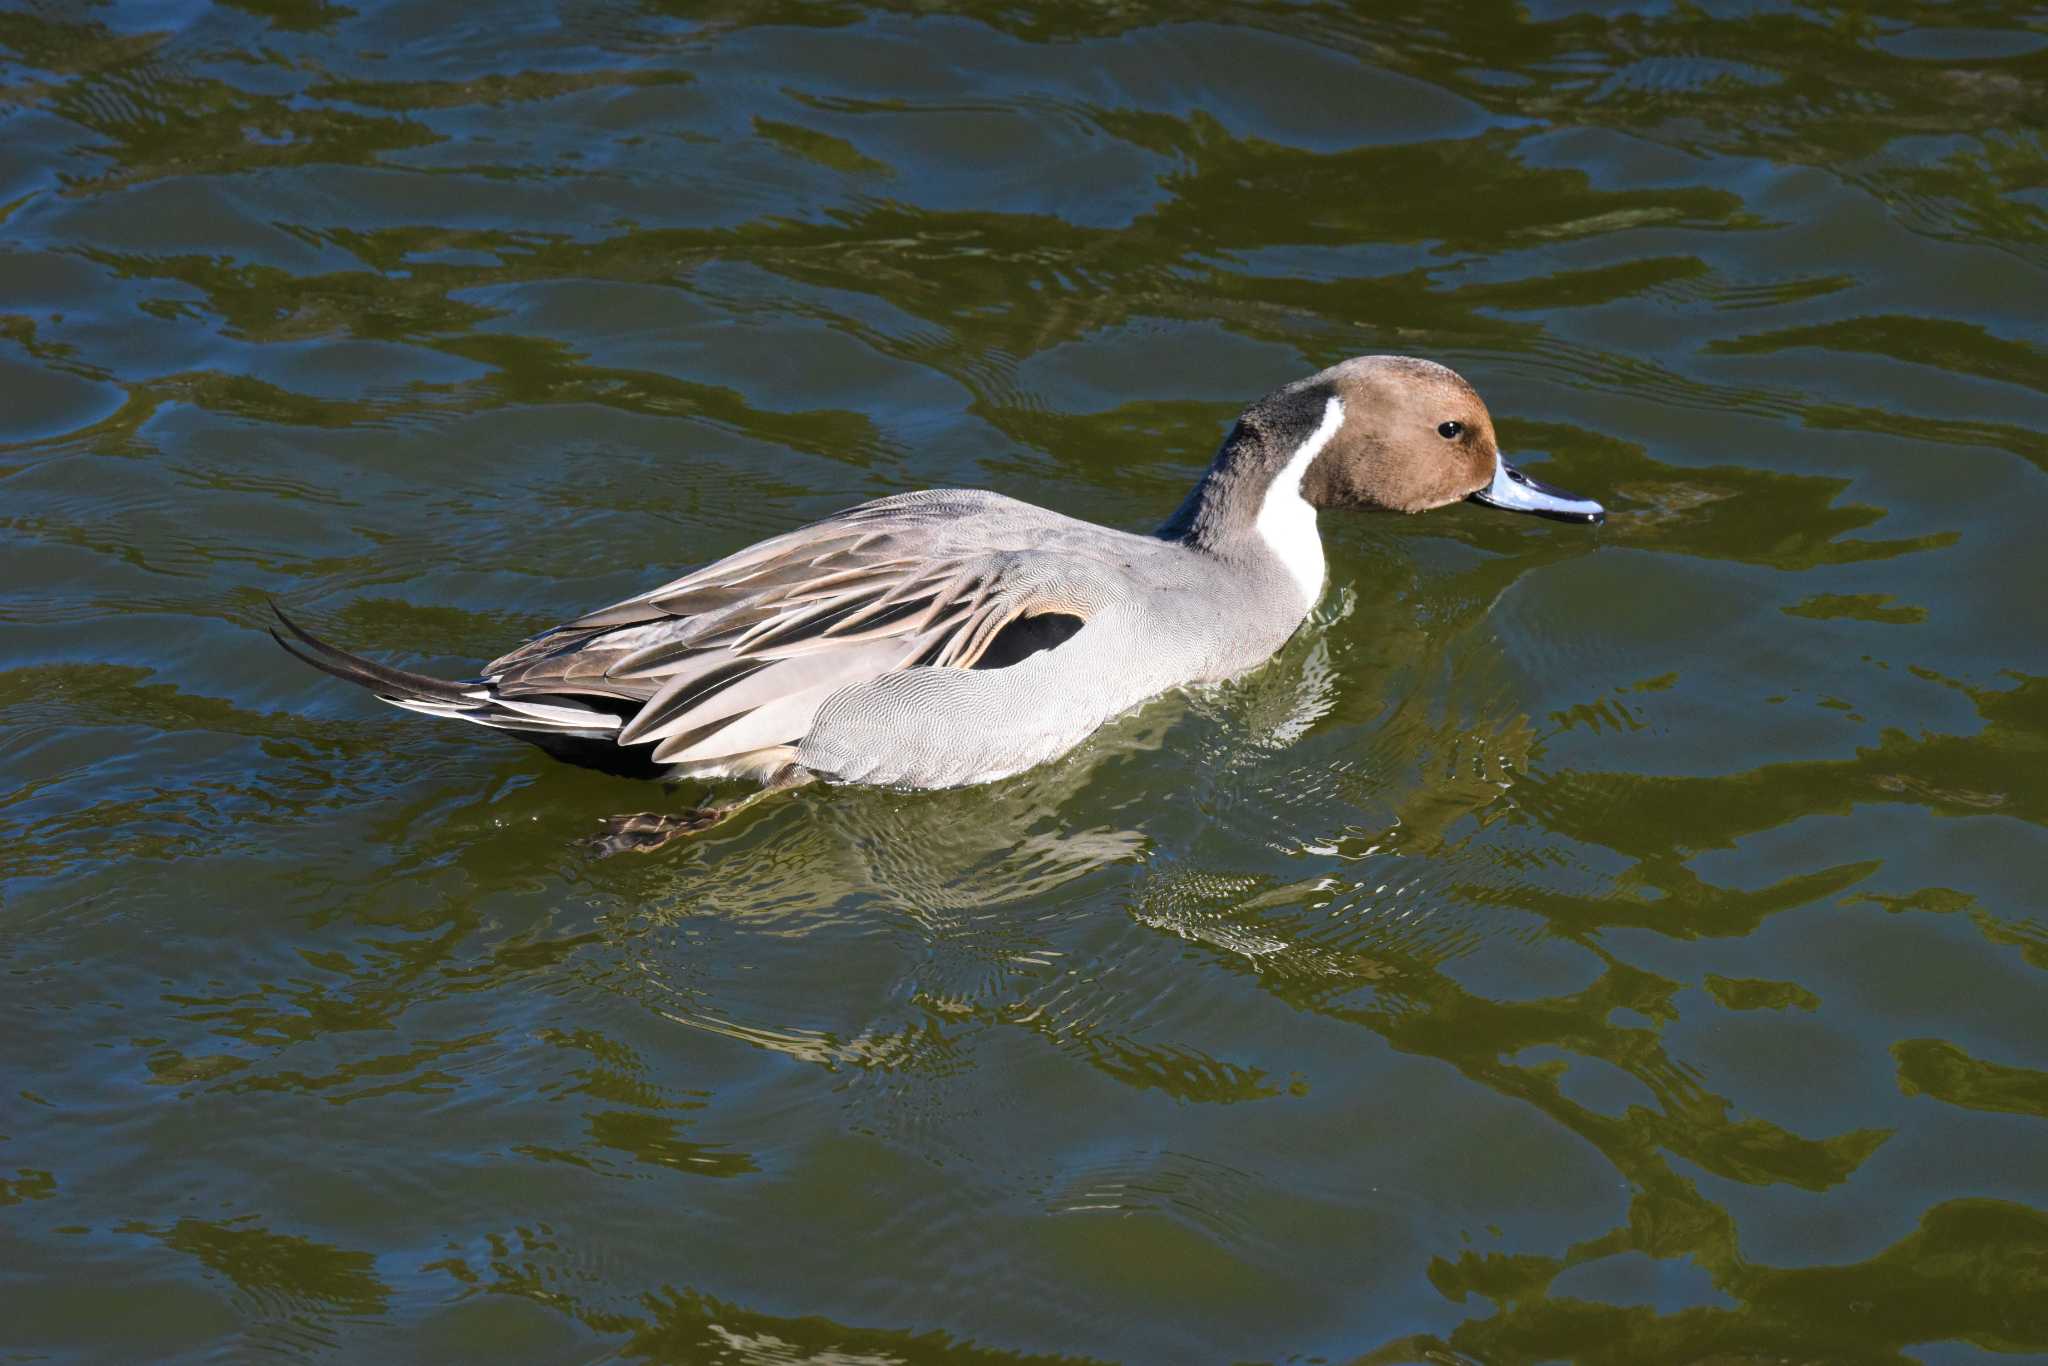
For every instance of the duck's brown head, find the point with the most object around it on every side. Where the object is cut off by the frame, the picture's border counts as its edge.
(1410, 435)
(1385, 432)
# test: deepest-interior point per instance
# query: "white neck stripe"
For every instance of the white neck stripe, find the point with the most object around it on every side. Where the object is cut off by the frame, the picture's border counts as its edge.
(1287, 522)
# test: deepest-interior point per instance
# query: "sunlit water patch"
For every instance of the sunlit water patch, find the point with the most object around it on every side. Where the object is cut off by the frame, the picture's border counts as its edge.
(1607, 946)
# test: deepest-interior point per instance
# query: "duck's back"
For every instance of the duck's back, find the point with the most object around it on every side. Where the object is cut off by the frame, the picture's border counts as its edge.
(1137, 616)
(926, 639)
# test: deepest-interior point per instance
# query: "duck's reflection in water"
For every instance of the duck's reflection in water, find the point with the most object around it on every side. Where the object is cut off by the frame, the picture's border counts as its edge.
(929, 904)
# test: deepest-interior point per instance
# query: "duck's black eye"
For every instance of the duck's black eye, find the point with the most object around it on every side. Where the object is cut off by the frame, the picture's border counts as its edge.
(1450, 431)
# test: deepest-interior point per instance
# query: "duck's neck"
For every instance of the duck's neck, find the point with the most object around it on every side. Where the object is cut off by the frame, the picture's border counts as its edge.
(1249, 504)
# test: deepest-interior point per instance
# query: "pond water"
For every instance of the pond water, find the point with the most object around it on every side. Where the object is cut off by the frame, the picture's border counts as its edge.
(1619, 946)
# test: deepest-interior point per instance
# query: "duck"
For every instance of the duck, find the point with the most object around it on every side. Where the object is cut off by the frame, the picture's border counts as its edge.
(949, 637)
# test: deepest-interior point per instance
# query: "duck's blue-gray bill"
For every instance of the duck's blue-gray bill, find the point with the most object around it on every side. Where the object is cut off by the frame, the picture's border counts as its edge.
(1517, 492)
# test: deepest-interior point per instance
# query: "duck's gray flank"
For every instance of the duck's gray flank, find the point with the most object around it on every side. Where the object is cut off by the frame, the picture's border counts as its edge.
(956, 636)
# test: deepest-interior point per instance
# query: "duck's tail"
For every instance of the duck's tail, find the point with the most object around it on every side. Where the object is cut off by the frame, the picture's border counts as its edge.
(392, 685)
(479, 702)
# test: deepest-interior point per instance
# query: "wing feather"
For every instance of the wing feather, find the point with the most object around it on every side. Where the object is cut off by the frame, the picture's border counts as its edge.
(775, 722)
(677, 695)
(765, 682)
(735, 658)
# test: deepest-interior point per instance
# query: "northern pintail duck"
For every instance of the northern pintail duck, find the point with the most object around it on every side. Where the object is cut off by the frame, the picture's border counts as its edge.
(957, 636)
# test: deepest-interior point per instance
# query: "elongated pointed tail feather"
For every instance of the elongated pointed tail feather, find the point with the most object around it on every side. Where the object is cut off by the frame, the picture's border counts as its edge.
(396, 684)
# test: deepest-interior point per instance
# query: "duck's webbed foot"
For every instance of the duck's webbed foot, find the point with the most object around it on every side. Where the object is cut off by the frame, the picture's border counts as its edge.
(643, 832)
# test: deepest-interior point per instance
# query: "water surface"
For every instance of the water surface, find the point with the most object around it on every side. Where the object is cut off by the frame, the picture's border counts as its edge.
(1610, 947)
